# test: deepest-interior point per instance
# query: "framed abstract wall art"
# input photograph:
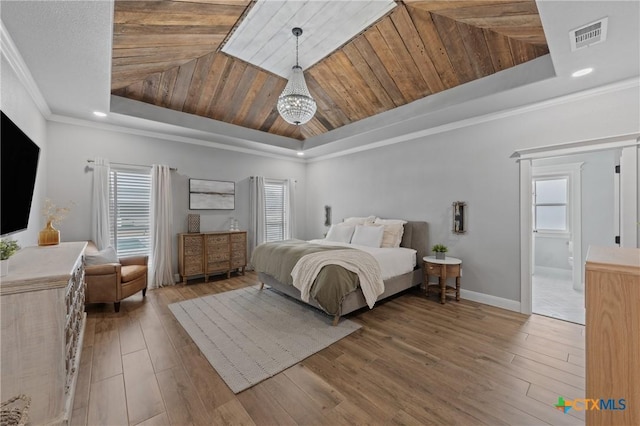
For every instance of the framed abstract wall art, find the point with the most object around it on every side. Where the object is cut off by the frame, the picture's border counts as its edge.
(211, 194)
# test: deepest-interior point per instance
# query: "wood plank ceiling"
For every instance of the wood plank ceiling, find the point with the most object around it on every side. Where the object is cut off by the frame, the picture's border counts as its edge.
(167, 53)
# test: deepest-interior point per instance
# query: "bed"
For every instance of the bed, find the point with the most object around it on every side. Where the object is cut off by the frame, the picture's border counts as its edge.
(414, 237)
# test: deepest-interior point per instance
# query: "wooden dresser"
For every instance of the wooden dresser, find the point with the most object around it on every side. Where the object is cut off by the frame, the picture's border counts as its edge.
(42, 301)
(211, 253)
(612, 299)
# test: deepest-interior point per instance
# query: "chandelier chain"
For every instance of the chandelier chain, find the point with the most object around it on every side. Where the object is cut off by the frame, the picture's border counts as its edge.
(297, 37)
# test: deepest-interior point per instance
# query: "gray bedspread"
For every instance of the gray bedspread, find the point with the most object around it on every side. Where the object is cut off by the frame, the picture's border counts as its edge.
(332, 284)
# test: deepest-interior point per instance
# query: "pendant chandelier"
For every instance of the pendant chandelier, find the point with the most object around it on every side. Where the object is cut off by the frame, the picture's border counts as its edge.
(295, 104)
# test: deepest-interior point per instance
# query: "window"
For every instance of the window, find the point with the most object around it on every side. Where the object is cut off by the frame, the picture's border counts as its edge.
(129, 211)
(276, 196)
(550, 210)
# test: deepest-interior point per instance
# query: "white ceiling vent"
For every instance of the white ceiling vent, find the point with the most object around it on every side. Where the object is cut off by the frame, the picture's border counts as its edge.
(588, 35)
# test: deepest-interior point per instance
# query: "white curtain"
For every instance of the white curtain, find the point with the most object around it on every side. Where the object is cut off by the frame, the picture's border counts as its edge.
(161, 222)
(257, 228)
(290, 231)
(100, 204)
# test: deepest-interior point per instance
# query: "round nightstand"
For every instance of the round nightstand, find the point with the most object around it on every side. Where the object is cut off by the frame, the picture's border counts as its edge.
(449, 267)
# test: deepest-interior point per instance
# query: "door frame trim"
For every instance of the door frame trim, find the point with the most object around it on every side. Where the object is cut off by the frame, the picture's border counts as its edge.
(629, 144)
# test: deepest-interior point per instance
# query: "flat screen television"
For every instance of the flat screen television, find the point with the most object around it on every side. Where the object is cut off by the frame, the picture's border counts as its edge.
(19, 166)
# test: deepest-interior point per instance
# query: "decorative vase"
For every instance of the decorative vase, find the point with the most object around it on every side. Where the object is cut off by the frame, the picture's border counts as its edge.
(49, 236)
(440, 255)
(4, 267)
(193, 223)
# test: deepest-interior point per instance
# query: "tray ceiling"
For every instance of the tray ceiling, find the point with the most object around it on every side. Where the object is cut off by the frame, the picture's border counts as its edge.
(169, 54)
(262, 40)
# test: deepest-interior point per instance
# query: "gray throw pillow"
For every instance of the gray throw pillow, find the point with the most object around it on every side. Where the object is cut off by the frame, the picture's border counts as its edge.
(107, 255)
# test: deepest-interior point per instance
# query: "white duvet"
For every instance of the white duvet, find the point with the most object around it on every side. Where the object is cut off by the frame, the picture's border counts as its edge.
(392, 261)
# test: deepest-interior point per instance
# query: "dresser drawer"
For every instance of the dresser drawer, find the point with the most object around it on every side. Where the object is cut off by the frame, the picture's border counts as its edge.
(238, 246)
(217, 239)
(238, 263)
(238, 237)
(218, 255)
(193, 265)
(192, 245)
(218, 266)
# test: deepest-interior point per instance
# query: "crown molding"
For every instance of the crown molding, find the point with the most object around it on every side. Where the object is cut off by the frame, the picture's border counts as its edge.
(173, 138)
(548, 103)
(15, 60)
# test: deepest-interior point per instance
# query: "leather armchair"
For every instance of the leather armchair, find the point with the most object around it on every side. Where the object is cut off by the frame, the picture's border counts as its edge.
(112, 282)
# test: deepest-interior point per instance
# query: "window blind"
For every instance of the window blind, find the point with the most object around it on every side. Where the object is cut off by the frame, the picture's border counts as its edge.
(276, 216)
(129, 212)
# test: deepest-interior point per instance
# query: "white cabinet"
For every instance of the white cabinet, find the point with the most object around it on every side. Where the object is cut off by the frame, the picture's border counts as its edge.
(42, 320)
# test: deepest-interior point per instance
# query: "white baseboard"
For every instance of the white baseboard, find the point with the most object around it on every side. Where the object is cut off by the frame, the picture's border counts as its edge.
(176, 278)
(487, 299)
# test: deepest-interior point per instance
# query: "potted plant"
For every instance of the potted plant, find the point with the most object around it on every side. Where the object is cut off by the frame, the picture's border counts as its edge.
(439, 250)
(7, 249)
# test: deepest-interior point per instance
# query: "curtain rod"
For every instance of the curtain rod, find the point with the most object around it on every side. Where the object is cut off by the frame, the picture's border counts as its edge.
(253, 177)
(173, 169)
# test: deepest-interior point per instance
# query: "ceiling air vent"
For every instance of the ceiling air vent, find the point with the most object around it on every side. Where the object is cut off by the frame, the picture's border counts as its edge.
(588, 35)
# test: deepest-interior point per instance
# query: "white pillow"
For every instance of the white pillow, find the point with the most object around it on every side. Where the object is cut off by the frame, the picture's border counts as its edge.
(370, 236)
(107, 255)
(340, 233)
(360, 220)
(393, 231)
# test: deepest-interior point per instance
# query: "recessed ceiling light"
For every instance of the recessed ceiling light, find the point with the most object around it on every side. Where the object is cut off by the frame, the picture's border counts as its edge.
(582, 72)
(99, 114)
(300, 153)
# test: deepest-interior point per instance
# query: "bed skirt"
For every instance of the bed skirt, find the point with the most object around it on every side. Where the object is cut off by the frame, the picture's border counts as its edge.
(354, 300)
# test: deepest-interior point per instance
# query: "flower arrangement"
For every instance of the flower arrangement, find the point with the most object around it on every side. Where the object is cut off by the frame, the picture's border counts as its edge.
(8, 248)
(52, 213)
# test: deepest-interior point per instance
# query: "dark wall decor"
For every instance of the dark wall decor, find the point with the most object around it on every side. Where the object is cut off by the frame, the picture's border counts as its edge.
(327, 215)
(211, 194)
(459, 217)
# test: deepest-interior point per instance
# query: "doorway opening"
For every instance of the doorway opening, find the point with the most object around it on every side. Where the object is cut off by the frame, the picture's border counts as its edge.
(557, 290)
(621, 206)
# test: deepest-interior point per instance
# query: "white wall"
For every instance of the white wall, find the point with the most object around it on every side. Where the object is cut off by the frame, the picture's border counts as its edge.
(420, 179)
(70, 177)
(18, 105)
(551, 252)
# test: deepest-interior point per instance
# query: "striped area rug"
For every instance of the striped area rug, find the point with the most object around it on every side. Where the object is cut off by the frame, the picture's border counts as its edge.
(249, 335)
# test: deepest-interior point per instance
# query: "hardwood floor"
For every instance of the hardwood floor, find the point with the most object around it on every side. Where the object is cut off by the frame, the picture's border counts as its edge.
(414, 361)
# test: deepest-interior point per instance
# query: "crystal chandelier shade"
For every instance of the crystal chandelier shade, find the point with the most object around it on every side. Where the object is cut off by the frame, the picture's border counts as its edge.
(295, 104)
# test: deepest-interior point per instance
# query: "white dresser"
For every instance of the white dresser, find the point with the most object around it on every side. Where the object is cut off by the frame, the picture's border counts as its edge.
(42, 320)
